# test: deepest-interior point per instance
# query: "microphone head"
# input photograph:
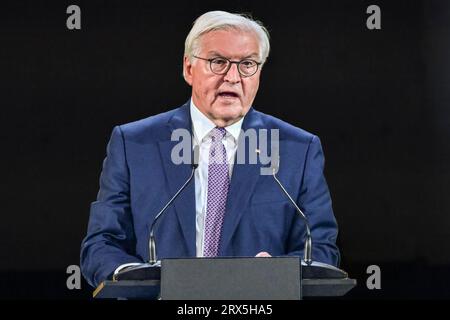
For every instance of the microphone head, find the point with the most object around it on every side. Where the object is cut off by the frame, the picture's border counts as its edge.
(196, 156)
(275, 163)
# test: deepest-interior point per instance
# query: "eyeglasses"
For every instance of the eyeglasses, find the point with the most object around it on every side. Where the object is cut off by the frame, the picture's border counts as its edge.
(221, 66)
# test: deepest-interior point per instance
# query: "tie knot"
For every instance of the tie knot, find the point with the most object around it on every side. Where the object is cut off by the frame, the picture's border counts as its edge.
(218, 133)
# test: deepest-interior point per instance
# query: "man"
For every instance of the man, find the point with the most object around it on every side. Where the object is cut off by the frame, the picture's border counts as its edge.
(231, 209)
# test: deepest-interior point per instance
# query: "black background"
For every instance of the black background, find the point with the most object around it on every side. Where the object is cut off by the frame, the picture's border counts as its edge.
(379, 100)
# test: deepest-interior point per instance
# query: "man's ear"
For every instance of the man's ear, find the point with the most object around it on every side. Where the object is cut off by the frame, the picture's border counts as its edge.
(187, 70)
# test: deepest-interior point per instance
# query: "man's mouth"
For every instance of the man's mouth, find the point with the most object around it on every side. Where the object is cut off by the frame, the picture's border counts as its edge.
(228, 94)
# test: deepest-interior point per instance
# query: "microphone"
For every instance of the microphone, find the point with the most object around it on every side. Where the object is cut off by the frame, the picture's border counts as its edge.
(152, 243)
(308, 243)
(312, 269)
(151, 270)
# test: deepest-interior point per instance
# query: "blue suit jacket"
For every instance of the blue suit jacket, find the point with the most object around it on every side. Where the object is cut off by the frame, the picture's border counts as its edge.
(138, 178)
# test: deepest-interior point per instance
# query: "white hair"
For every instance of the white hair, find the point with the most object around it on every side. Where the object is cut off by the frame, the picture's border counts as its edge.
(222, 20)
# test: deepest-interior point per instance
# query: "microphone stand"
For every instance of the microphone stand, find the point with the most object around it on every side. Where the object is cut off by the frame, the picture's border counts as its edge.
(312, 269)
(152, 243)
(151, 270)
(308, 243)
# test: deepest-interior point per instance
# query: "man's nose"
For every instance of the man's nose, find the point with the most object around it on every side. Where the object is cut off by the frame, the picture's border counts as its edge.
(233, 74)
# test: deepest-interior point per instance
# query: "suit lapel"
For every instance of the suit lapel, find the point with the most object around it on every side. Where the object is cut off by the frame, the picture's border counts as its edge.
(176, 175)
(243, 181)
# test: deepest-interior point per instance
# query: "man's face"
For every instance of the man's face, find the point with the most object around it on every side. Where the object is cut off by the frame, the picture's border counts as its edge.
(224, 99)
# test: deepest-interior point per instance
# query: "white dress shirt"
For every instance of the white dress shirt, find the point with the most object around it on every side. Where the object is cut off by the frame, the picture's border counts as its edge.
(202, 127)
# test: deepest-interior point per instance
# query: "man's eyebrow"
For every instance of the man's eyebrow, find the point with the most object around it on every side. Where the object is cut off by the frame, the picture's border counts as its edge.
(253, 55)
(215, 53)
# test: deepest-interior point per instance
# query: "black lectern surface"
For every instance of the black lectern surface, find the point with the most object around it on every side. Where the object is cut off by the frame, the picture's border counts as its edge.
(240, 278)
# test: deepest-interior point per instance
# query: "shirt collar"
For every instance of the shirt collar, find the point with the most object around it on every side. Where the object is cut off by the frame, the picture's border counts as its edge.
(203, 125)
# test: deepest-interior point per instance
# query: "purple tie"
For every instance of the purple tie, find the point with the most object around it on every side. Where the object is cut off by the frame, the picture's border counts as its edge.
(218, 182)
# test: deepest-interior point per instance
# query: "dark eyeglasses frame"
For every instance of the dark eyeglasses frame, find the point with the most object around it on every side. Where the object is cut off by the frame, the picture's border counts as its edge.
(230, 62)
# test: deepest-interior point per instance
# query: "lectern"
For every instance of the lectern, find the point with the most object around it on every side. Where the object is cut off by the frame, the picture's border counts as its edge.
(273, 278)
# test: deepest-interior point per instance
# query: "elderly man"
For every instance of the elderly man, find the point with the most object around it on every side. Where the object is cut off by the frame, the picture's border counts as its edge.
(231, 209)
